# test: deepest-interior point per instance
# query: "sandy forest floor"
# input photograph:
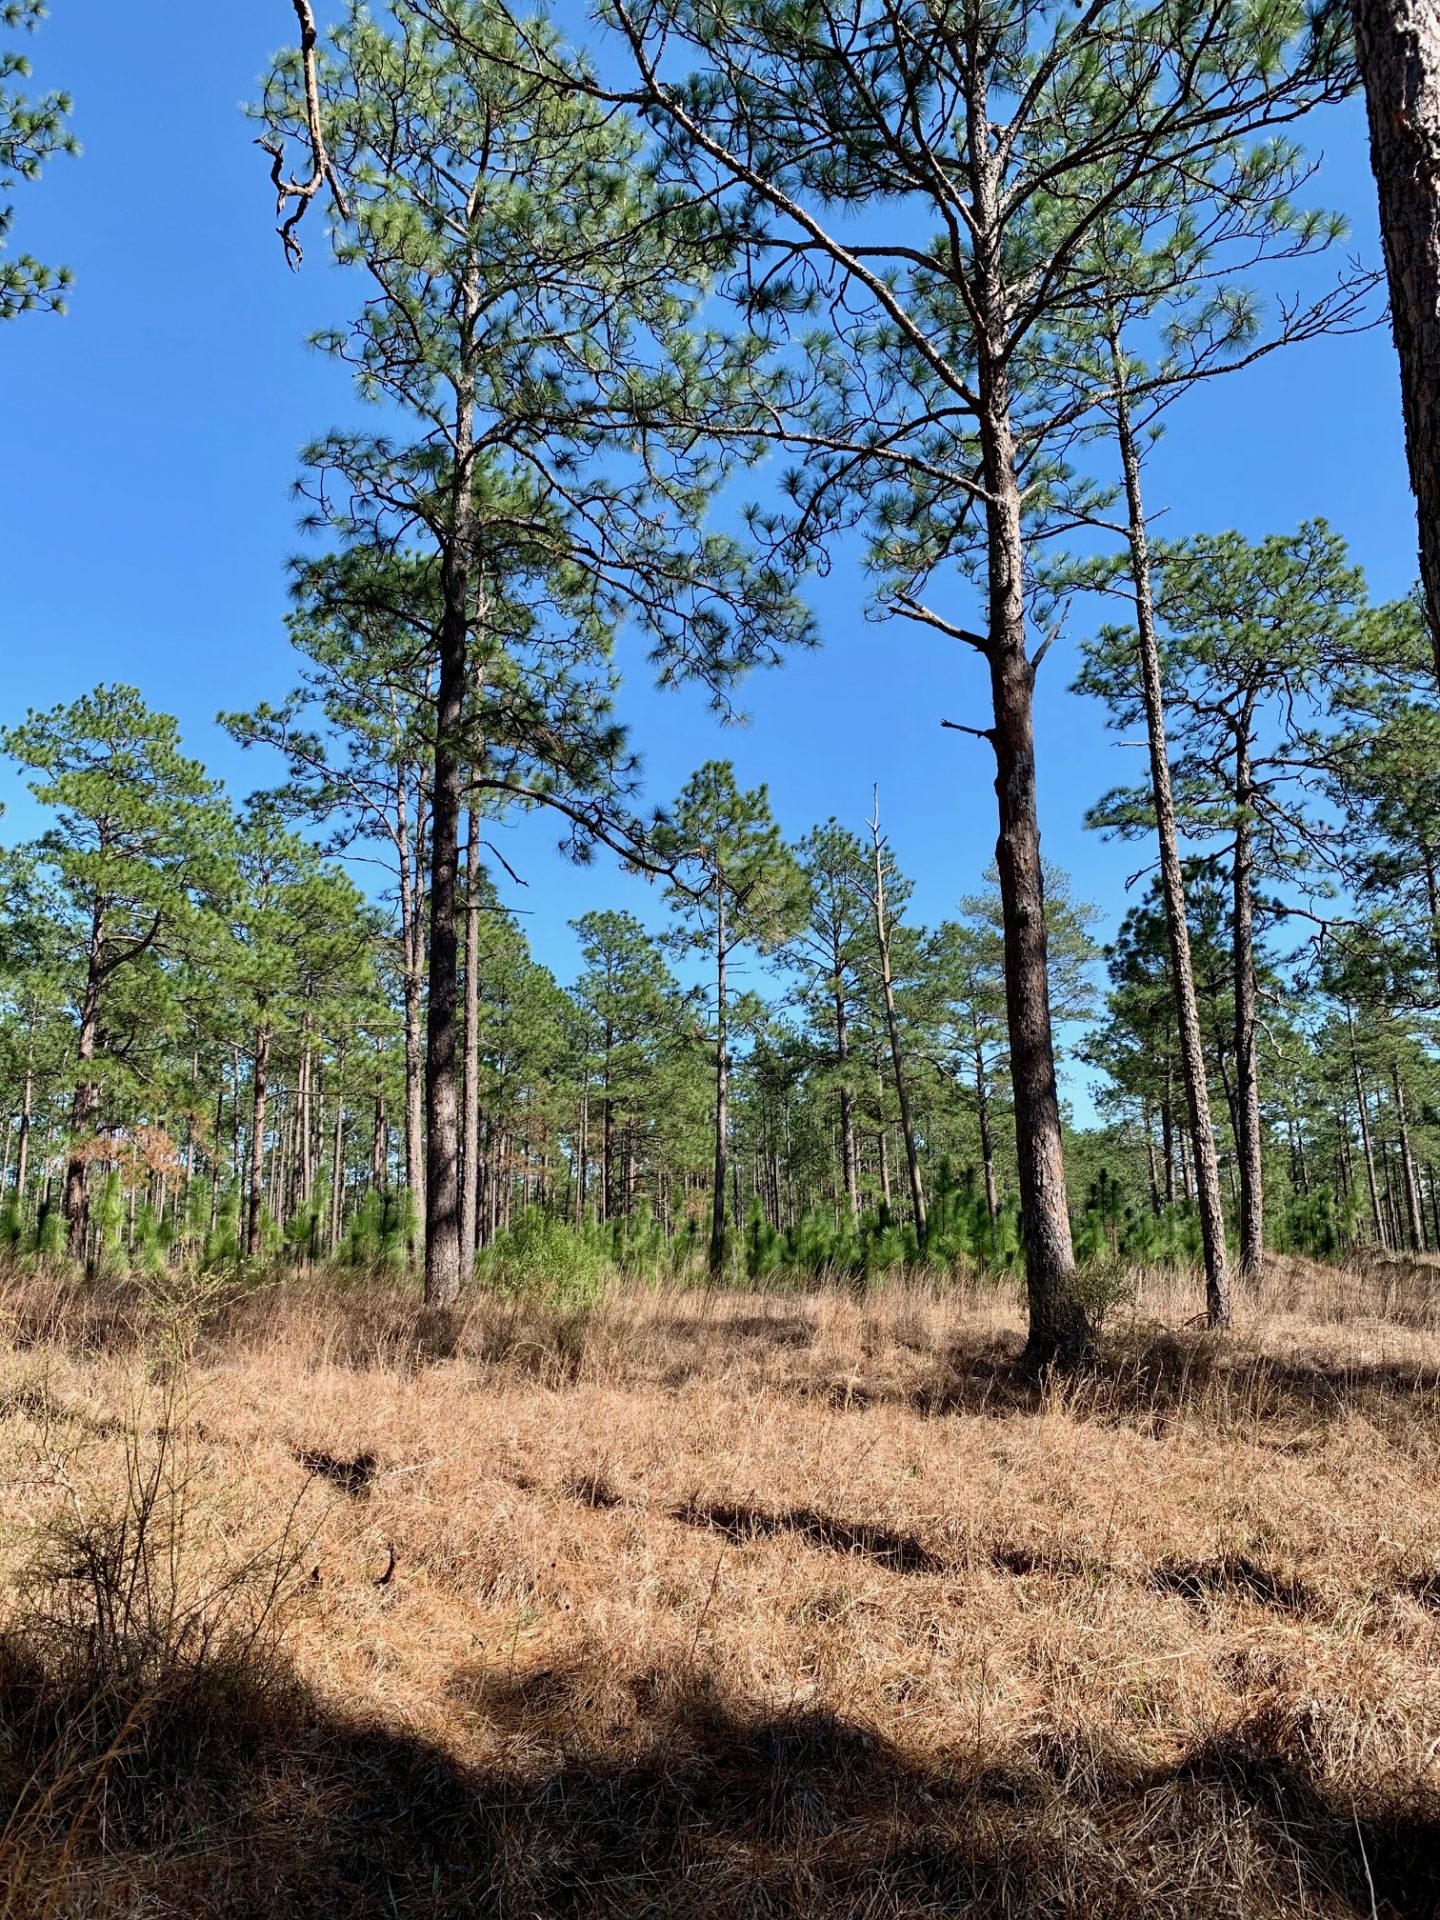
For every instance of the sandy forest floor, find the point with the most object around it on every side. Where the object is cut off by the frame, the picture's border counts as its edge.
(719, 1605)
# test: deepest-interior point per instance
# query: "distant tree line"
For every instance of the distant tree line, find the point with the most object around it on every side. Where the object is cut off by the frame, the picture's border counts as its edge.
(954, 264)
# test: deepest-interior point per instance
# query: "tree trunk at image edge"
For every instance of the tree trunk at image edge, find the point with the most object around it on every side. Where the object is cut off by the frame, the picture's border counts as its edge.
(1398, 44)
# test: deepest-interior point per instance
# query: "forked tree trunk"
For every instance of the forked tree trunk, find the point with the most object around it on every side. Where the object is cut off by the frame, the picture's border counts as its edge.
(1172, 877)
(1398, 43)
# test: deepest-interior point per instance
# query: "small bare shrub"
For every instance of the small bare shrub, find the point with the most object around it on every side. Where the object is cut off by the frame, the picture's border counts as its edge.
(140, 1642)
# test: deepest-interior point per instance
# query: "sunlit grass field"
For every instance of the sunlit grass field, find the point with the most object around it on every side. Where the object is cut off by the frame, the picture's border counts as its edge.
(691, 1603)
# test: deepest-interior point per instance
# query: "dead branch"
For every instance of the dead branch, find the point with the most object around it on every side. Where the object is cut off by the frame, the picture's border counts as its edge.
(322, 168)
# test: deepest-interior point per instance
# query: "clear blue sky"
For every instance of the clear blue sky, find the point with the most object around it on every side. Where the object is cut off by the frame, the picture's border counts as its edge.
(150, 441)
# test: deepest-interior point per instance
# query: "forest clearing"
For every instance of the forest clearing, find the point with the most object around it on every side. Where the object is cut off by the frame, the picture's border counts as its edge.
(623, 1292)
(714, 1603)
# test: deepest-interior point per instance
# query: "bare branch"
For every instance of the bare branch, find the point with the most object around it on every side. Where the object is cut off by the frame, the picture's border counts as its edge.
(322, 168)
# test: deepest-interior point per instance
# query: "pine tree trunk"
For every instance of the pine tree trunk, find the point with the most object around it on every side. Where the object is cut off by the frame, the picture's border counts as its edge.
(215, 1152)
(1172, 877)
(470, 1101)
(442, 1144)
(987, 1144)
(1167, 1135)
(607, 1138)
(849, 1168)
(1432, 902)
(1416, 1232)
(1398, 43)
(443, 1269)
(1247, 1077)
(22, 1163)
(337, 1178)
(305, 1125)
(892, 1028)
(722, 1091)
(379, 1146)
(1059, 1329)
(582, 1150)
(260, 1088)
(83, 1111)
(413, 989)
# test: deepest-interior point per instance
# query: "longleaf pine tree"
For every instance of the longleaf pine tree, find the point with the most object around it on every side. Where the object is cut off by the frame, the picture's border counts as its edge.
(915, 188)
(529, 309)
(736, 885)
(130, 856)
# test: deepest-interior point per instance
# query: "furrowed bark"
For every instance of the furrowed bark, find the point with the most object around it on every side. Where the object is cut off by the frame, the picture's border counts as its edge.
(1060, 1333)
(442, 1145)
(1398, 44)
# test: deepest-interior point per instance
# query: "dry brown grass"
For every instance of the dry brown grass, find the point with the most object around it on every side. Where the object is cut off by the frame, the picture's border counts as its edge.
(762, 1604)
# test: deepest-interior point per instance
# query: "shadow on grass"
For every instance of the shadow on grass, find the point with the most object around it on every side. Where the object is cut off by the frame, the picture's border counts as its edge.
(900, 1552)
(1234, 1578)
(1148, 1379)
(654, 1796)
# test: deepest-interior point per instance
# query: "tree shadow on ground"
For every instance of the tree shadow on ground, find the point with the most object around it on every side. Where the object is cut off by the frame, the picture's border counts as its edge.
(1148, 1379)
(654, 1796)
(886, 1547)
